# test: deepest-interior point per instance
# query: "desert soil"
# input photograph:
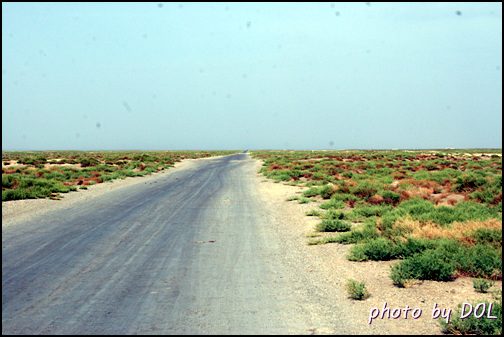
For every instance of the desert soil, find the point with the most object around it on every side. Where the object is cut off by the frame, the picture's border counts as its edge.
(325, 266)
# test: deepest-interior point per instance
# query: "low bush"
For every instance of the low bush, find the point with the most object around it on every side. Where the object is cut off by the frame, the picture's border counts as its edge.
(333, 225)
(430, 265)
(480, 261)
(379, 249)
(332, 204)
(414, 246)
(311, 192)
(364, 234)
(402, 275)
(488, 235)
(472, 325)
(8, 180)
(327, 192)
(32, 188)
(357, 290)
(482, 285)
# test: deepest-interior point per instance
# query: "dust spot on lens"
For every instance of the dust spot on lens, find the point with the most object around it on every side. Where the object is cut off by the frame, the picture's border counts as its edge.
(249, 24)
(459, 13)
(98, 125)
(337, 13)
(331, 143)
(126, 105)
(160, 5)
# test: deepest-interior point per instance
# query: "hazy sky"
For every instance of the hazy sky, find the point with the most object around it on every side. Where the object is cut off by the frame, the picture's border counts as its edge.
(179, 76)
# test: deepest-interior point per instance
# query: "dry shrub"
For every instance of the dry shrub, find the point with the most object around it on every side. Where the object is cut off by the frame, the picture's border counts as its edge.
(274, 167)
(308, 175)
(497, 199)
(420, 192)
(96, 180)
(428, 184)
(404, 195)
(376, 200)
(449, 199)
(400, 175)
(39, 174)
(461, 231)
(352, 183)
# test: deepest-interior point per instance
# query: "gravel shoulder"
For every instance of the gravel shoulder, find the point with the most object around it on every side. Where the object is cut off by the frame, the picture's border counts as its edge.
(322, 269)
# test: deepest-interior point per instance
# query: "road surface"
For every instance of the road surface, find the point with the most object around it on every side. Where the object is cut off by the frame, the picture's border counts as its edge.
(184, 254)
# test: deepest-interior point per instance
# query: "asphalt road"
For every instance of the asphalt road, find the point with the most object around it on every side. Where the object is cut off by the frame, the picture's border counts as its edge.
(183, 255)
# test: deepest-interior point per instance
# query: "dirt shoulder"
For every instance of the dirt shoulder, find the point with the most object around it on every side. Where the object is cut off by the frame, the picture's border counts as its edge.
(329, 270)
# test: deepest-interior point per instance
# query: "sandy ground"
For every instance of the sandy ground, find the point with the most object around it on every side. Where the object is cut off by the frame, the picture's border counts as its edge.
(325, 265)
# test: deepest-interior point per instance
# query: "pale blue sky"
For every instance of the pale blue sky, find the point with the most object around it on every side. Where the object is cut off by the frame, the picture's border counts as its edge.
(180, 76)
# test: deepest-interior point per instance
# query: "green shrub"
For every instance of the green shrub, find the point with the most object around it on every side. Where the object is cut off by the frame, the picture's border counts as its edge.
(469, 181)
(368, 232)
(402, 275)
(357, 290)
(488, 235)
(56, 176)
(425, 211)
(379, 249)
(333, 225)
(392, 196)
(417, 206)
(344, 197)
(31, 188)
(482, 285)
(332, 204)
(364, 211)
(313, 212)
(430, 265)
(311, 192)
(414, 246)
(332, 214)
(366, 189)
(472, 325)
(87, 161)
(327, 192)
(357, 253)
(8, 180)
(480, 260)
